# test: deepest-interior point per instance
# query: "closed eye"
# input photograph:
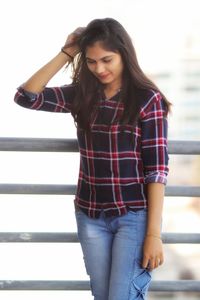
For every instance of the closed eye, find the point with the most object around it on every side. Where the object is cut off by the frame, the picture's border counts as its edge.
(90, 61)
(107, 60)
(103, 59)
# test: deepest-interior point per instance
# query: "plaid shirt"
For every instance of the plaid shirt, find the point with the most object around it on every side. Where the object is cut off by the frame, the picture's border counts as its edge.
(116, 161)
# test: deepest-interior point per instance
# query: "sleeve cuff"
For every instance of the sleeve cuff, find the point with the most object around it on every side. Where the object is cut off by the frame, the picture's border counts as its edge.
(31, 96)
(156, 178)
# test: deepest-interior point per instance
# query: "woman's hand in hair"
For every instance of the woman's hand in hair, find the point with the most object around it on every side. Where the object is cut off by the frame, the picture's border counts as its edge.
(71, 44)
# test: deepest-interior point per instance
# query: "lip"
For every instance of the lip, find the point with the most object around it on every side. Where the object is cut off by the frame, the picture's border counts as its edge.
(104, 76)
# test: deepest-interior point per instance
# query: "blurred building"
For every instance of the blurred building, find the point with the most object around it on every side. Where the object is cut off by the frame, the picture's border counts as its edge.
(181, 84)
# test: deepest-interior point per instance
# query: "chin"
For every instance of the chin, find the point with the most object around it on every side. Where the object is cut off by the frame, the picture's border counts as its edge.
(105, 81)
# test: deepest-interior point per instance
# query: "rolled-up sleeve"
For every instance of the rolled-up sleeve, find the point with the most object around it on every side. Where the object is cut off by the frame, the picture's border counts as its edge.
(52, 99)
(154, 146)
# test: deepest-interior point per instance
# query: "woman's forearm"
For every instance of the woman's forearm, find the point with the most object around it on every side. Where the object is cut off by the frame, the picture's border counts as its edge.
(37, 82)
(155, 195)
(153, 250)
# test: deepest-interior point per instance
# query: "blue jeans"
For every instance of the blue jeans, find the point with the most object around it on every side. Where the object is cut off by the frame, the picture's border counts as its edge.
(112, 249)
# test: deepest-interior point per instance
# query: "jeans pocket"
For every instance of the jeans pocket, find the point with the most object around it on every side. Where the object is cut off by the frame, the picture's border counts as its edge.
(139, 212)
(140, 282)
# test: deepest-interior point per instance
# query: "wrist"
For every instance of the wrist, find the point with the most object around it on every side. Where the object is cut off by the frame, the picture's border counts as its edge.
(67, 53)
(156, 236)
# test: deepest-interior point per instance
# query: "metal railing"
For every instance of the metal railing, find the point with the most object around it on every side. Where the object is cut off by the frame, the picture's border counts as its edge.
(70, 145)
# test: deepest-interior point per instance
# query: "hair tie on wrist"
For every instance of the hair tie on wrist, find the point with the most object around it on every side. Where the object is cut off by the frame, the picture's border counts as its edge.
(62, 50)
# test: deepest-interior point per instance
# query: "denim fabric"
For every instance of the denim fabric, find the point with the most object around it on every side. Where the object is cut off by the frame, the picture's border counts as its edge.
(112, 249)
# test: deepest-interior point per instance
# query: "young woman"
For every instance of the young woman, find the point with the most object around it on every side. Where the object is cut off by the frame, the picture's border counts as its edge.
(121, 119)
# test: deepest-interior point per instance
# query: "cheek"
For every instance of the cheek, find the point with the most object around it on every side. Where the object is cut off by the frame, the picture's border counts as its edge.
(121, 67)
(118, 69)
(117, 66)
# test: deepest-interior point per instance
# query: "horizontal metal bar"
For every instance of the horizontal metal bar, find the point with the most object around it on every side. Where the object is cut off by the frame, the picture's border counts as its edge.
(41, 189)
(38, 144)
(44, 285)
(175, 286)
(71, 145)
(181, 238)
(182, 191)
(157, 286)
(71, 237)
(38, 237)
(61, 189)
(184, 147)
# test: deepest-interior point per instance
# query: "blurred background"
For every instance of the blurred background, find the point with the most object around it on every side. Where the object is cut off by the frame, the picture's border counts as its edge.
(166, 35)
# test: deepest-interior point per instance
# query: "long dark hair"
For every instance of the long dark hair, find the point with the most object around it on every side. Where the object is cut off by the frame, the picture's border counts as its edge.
(134, 82)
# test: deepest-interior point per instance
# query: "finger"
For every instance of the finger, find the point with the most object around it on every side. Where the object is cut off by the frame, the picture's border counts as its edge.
(145, 262)
(157, 263)
(79, 30)
(151, 264)
(161, 260)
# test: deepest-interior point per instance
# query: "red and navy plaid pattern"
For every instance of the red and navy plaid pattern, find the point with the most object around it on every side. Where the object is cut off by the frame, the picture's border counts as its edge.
(116, 161)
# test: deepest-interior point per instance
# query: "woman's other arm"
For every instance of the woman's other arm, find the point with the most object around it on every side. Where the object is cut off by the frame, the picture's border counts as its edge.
(153, 249)
(155, 161)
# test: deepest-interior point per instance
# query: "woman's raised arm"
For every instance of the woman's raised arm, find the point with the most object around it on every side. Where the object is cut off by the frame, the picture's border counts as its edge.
(37, 82)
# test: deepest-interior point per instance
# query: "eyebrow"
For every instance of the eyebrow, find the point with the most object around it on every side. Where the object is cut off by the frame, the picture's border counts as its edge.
(102, 58)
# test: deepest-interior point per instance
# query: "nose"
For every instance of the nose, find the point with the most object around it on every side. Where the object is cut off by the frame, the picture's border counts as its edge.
(99, 68)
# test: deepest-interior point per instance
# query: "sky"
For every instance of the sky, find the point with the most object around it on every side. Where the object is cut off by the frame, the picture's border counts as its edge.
(32, 32)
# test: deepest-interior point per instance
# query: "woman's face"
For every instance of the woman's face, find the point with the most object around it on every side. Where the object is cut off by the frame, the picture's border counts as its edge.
(106, 65)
